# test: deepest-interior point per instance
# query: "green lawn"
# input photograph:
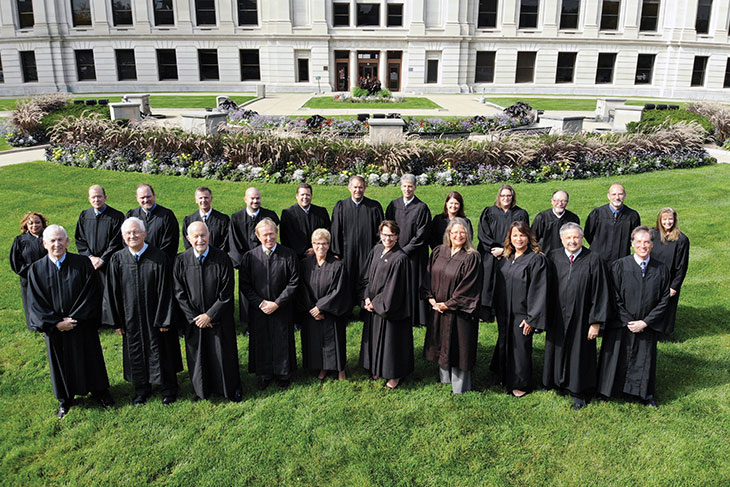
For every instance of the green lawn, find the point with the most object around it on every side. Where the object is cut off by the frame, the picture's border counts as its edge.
(566, 104)
(323, 102)
(156, 101)
(354, 432)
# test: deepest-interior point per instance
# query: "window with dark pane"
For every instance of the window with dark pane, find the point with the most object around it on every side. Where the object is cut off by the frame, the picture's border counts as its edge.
(649, 16)
(432, 71)
(566, 67)
(528, 14)
(485, 67)
(81, 12)
(250, 69)
(644, 69)
(167, 64)
(395, 15)
(122, 12)
(163, 12)
(702, 23)
(698, 71)
(604, 70)
(208, 64)
(25, 14)
(85, 69)
(205, 12)
(609, 14)
(28, 66)
(341, 14)
(247, 12)
(368, 14)
(725, 84)
(569, 13)
(126, 66)
(525, 71)
(302, 70)
(487, 15)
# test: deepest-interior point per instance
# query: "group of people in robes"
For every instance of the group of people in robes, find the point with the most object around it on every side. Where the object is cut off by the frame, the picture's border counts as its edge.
(307, 269)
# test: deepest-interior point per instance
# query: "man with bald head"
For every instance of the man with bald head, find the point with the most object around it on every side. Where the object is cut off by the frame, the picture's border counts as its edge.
(355, 222)
(608, 227)
(204, 287)
(64, 303)
(242, 235)
(216, 221)
(98, 231)
(163, 231)
(547, 224)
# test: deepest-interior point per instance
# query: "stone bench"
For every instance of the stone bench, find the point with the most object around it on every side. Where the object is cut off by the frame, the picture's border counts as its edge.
(125, 111)
(562, 124)
(142, 99)
(203, 123)
(604, 107)
(386, 130)
(625, 114)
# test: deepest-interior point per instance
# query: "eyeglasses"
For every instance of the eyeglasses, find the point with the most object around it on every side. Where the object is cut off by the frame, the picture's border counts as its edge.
(388, 235)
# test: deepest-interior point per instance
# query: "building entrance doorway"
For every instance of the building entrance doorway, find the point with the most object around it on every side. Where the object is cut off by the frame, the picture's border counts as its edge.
(367, 65)
(342, 70)
(394, 68)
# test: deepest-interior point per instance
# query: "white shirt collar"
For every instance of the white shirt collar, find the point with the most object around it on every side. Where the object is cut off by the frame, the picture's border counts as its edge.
(203, 215)
(54, 260)
(408, 202)
(638, 260)
(357, 203)
(305, 210)
(251, 214)
(272, 249)
(575, 254)
(204, 254)
(144, 247)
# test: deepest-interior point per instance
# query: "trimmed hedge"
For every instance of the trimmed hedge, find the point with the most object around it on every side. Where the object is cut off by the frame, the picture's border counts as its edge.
(652, 120)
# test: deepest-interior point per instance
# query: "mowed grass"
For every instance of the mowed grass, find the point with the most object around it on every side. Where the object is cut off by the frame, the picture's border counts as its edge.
(354, 432)
(156, 101)
(323, 102)
(566, 104)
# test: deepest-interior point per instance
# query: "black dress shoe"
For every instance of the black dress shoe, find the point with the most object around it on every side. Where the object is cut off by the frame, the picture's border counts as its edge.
(105, 400)
(139, 399)
(262, 383)
(650, 402)
(167, 400)
(62, 410)
(197, 398)
(283, 383)
(237, 396)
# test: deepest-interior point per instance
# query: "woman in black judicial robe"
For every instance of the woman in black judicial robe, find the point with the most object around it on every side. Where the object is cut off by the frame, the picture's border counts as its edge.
(492, 231)
(26, 249)
(453, 288)
(521, 306)
(212, 354)
(387, 335)
(671, 247)
(453, 208)
(324, 300)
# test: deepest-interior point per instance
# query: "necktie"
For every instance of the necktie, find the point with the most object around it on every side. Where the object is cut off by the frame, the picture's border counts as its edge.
(205, 219)
(267, 252)
(58, 265)
(572, 258)
(136, 257)
(200, 259)
(643, 268)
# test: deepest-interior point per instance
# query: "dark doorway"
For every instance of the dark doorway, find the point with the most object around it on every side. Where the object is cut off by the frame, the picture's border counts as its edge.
(394, 66)
(367, 64)
(342, 70)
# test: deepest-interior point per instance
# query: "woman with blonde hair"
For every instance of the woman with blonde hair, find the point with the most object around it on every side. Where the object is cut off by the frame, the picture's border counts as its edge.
(671, 247)
(26, 249)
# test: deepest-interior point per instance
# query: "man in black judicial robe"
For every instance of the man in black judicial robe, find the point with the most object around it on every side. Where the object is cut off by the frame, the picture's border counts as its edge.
(269, 276)
(413, 218)
(608, 227)
(242, 237)
(640, 286)
(139, 306)
(577, 309)
(547, 224)
(98, 231)
(204, 288)
(163, 231)
(386, 349)
(300, 220)
(492, 231)
(217, 222)
(355, 223)
(64, 303)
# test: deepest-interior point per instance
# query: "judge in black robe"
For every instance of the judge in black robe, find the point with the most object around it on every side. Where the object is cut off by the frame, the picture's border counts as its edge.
(139, 306)
(242, 237)
(547, 224)
(577, 309)
(671, 247)
(453, 289)
(204, 290)
(521, 306)
(217, 222)
(323, 301)
(26, 249)
(386, 349)
(492, 231)
(629, 348)
(413, 218)
(355, 223)
(65, 305)
(453, 208)
(163, 231)
(608, 227)
(300, 220)
(269, 283)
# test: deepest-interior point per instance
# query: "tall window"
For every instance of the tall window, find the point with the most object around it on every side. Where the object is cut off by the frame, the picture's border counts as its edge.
(341, 14)
(28, 66)
(704, 9)
(163, 12)
(85, 69)
(698, 71)
(569, 12)
(126, 66)
(432, 71)
(525, 72)
(726, 84)
(649, 15)
(204, 12)
(604, 70)
(208, 64)
(247, 12)
(81, 12)
(166, 64)
(609, 14)
(395, 15)
(122, 12)
(250, 69)
(487, 16)
(566, 67)
(528, 14)
(302, 70)
(485, 67)
(2, 76)
(368, 14)
(25, 14)
(644, 69)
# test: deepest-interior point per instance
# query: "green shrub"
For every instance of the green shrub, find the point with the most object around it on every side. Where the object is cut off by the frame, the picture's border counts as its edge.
(652, 120)
(51, 119)
(385, 93)
(358, 92)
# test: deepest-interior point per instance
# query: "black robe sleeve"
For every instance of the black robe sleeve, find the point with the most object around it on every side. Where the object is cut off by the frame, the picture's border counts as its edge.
(392, 302)
(537, 293)
(681, 262)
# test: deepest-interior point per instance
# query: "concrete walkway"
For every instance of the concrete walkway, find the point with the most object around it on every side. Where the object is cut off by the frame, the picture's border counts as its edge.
(18, 156)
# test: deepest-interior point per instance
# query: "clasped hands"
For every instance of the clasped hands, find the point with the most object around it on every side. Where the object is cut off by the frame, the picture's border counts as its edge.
(268, 307)
(637, 326)
(316, 314)
(440, 307)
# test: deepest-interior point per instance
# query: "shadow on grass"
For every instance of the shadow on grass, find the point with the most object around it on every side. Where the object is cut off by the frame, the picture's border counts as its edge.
(698, 322)
(681, 373)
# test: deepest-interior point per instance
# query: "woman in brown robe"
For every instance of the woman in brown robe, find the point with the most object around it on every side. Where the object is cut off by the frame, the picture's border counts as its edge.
(453, 289)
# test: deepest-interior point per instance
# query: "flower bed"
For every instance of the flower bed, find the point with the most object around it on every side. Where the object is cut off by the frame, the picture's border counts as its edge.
(262, 157)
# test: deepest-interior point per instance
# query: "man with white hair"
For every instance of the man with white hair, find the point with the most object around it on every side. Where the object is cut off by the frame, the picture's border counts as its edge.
(547, 224)
(65, 305)
(139, 306)
(413, 217)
